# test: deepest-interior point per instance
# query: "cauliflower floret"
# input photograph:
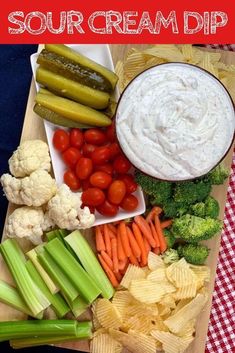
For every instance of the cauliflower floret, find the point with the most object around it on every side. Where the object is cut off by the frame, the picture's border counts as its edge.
(34, 190)
(65, 210)
(30, 156)
(28, 222)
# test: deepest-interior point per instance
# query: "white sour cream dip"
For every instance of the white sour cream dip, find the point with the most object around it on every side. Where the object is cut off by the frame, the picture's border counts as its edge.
(175, 121)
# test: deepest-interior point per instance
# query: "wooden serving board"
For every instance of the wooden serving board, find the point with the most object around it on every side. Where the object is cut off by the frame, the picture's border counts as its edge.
(33, 128)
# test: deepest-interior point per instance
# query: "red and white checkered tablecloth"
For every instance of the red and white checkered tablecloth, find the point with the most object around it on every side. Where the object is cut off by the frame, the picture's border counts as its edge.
(221, 331)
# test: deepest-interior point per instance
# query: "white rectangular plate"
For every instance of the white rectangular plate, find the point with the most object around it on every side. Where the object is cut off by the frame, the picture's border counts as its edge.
(101, 54)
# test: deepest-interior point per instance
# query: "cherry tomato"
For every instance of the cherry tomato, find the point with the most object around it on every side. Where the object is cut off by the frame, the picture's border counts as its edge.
(107, 209)
(130, 183)
(71, 180)
(100, 155)
(86, 184)
(129, 203)
(84, 168)
(95, 136)
(87, 149)
(111, 132)
(107, 168)
(71, 156)
(93, 197)
(61, 140)
(121, 164)
(115, 150)
(116, 192)
(76, 138)
(101, 180)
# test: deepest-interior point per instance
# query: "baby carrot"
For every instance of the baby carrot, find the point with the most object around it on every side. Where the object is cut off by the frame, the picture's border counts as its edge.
(124, 238)
(156, 250)
(162, 240)
(154, 233)
(100, 245)
(133, 243)
(122, 264)
(140, 241)
(114, 255)
(166, 223)
(118, 276)
(145, 229)
(133, 260)
(107, 259)
(147, 246)
(112, 228)
(107, 240)
(154, 211)
(121, 254)
(108, 272)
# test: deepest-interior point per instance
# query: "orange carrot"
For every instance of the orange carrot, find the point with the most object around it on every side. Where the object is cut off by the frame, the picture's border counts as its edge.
(154, 233)
(147, 246)
(114, 255)
(166, 223)
(140, 241)
(145, 229)
(119, 276)
(133, 260)
(111, 234)
(112, 228)
(133, 243)
(121, 254)
(108, 272)
(154, 211)
(124, 238)
(107, 259)
(100, 245)
(122, 264)
(107, 240)
(156, 250)
(162, 240)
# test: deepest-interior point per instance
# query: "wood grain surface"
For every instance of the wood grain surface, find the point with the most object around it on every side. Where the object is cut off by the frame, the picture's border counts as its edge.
(33, 129)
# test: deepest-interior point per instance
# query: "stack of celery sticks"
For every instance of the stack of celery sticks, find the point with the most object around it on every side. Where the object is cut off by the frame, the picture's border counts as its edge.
(62, 275)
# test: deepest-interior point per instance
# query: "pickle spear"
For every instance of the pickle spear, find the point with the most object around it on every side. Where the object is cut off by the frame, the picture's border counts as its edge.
(74, 71)
(71, 54)
(72, 110)
(73, 90)
(57, 119)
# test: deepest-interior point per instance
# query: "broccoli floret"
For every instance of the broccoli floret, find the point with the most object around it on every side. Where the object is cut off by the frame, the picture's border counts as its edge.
(218, 175)
(192, 191)
(170, 256)
(174, 209)
(170, 239)
(208, 208)
(160, 191)
(195, 254)
(193, 229)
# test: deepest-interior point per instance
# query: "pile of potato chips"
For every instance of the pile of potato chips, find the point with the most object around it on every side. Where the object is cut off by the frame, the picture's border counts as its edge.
(154, 309)
(137, 61)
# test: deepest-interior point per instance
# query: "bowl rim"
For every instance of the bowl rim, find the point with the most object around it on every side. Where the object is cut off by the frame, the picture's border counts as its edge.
(200, 69)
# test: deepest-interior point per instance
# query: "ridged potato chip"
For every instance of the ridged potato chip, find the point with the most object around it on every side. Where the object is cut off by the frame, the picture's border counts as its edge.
(180, 274)
(207, 64)
(146, 291)
(178, 321)
(188, 291)
(122, 300)
(155, 261)
(168, 52)
(132, 273)
(136, 342)
(158, 275)
(107, 314)
(104, 343)
(202, 272)
(95, 321)
(170, 342)
(169, 300)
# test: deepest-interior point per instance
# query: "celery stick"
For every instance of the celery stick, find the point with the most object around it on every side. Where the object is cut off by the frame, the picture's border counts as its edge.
(83, 331)
(11, 297)
(32, 255)
(51, 235)
(58, 275)
(59, 305)
(60, 234)
(78, 307)
(15, 261)
(77, 275)
(40, 328)
(89, 261)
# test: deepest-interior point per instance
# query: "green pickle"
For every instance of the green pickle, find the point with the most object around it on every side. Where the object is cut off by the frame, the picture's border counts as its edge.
(74, 71)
